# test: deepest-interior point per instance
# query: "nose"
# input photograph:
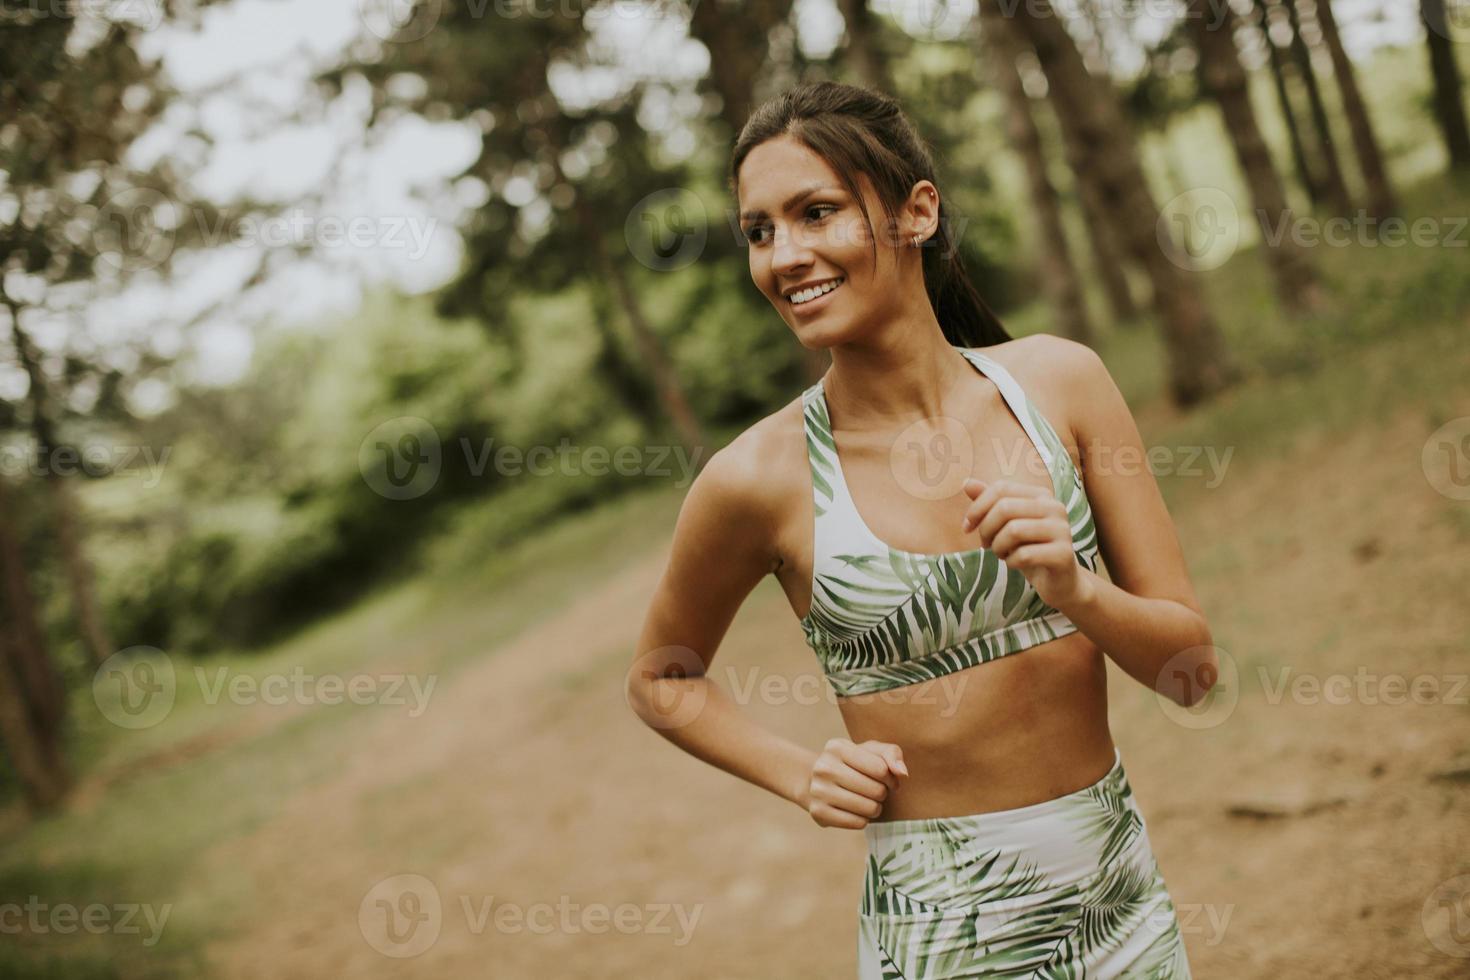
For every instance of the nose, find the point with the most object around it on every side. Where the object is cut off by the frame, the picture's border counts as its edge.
(788, 253)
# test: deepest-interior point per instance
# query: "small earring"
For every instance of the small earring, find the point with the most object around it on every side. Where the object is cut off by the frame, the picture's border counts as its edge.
(916, 241)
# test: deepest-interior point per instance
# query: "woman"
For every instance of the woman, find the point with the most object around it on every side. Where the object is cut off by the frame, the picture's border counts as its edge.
(934, 508)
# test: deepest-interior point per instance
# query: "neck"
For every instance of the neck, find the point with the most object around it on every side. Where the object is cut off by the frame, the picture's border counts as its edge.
(902, 374)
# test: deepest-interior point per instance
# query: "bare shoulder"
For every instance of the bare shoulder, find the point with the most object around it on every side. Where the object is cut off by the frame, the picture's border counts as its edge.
(756, 476)
(1062, 376)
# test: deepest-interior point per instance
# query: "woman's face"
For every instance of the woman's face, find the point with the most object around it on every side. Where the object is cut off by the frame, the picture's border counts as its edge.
(805, 230)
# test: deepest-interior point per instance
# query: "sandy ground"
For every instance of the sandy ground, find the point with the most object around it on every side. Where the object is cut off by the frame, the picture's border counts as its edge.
(553, 835)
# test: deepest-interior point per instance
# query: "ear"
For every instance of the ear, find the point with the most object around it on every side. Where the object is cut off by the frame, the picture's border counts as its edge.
(921, 212)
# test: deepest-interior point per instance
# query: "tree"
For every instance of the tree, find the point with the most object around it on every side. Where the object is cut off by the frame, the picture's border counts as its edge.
(32, 701)
(1224, 78)
(1381, 201)
(1337, 193)
(1198, 363)
(738, 41)
(864, 46)
(500, 80)
(1314, 187)
(80, 216)
(1059, 280)
(1449, 100)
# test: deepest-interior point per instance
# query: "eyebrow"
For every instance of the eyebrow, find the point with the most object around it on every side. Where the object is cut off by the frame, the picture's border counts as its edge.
(756, 213)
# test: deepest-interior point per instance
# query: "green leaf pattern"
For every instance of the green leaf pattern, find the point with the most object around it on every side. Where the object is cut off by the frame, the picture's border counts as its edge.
(881, 617)
(1069, 889)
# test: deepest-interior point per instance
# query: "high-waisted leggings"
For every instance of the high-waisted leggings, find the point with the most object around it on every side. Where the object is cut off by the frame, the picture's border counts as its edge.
(1064, 888)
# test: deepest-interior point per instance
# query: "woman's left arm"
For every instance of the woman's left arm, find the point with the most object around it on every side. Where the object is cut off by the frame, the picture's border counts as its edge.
(1147, 617)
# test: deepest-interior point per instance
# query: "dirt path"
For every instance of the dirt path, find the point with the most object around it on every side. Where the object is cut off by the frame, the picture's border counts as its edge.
(1298, 838)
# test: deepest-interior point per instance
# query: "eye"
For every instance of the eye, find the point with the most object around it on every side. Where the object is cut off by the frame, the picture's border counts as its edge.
(752, 232)
(821, 207)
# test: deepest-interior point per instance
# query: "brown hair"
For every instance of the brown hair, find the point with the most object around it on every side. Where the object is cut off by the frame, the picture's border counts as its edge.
(860, 130)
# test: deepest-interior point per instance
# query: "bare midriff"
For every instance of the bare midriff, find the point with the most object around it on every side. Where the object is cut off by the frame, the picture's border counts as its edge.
(1023, 729)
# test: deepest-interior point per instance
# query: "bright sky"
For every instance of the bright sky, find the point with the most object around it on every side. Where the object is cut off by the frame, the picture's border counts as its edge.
(389, 215)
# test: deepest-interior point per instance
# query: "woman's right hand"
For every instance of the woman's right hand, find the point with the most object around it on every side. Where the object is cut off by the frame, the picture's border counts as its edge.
(850, 782)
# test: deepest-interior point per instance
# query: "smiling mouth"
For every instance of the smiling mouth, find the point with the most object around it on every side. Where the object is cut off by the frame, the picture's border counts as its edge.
(804, 296)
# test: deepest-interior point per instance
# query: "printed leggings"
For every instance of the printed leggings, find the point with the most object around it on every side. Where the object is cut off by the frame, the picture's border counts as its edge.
(1065, 888)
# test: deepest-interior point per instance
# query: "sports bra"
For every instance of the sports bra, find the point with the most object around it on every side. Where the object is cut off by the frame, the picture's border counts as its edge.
(882, 617)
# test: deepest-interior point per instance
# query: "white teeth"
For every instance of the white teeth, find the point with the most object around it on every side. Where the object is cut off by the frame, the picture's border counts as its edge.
(807, 295)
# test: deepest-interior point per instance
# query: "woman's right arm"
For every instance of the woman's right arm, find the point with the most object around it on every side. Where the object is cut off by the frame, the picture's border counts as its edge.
(724, 543)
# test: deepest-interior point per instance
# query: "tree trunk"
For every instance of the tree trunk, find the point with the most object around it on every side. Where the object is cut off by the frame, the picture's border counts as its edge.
(1225, 79)
(628, 383)
(1198, 366)
(864, 52)
(1304, 172)
(738, 41)
(1059, 280)
(1108, 253)
(665, 380)
(66, 515)
(37, 758)
(1449, 101)
(36, 678)
(1381, 202)
(1337, 193)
